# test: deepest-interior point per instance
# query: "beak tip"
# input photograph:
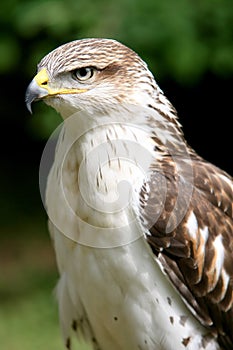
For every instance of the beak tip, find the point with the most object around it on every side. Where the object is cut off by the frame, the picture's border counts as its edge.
(34, 93)
(30, 96)
(29, 106)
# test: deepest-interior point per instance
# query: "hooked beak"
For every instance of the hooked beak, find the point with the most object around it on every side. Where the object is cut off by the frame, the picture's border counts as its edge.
(34, 93)
(39, 88)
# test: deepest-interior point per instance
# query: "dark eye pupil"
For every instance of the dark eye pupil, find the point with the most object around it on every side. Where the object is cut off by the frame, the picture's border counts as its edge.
(83, 72)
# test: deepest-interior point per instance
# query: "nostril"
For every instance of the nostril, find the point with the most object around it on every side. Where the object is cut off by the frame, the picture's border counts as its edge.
(44, 83)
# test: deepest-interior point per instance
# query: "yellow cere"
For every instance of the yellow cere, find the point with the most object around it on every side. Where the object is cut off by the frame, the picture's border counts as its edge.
(42, 79)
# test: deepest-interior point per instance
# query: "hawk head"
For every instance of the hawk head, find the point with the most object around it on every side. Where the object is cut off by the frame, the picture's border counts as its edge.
(92, 75)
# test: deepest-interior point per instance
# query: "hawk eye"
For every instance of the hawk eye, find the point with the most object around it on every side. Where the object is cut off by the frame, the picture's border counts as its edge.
(84, 73)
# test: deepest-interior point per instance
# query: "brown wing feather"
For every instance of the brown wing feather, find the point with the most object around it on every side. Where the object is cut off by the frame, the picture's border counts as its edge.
(197, 254)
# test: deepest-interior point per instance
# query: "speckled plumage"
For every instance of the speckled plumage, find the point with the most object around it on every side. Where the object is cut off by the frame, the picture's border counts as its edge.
(145, 266)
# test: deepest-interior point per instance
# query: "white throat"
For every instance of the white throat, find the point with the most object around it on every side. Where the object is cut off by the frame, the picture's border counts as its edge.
(103, 167)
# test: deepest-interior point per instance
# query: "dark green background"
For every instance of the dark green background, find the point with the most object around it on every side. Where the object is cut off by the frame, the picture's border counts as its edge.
(188, 46)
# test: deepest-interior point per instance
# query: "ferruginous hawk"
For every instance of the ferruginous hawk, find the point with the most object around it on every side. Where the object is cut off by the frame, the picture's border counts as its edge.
(142, 225)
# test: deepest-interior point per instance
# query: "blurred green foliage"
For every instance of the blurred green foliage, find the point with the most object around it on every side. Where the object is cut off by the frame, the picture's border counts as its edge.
(28, 310)
(179, 39)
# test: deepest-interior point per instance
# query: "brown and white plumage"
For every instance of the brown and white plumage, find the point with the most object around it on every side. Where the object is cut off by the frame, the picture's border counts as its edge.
(197, 255)
(155, 270)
